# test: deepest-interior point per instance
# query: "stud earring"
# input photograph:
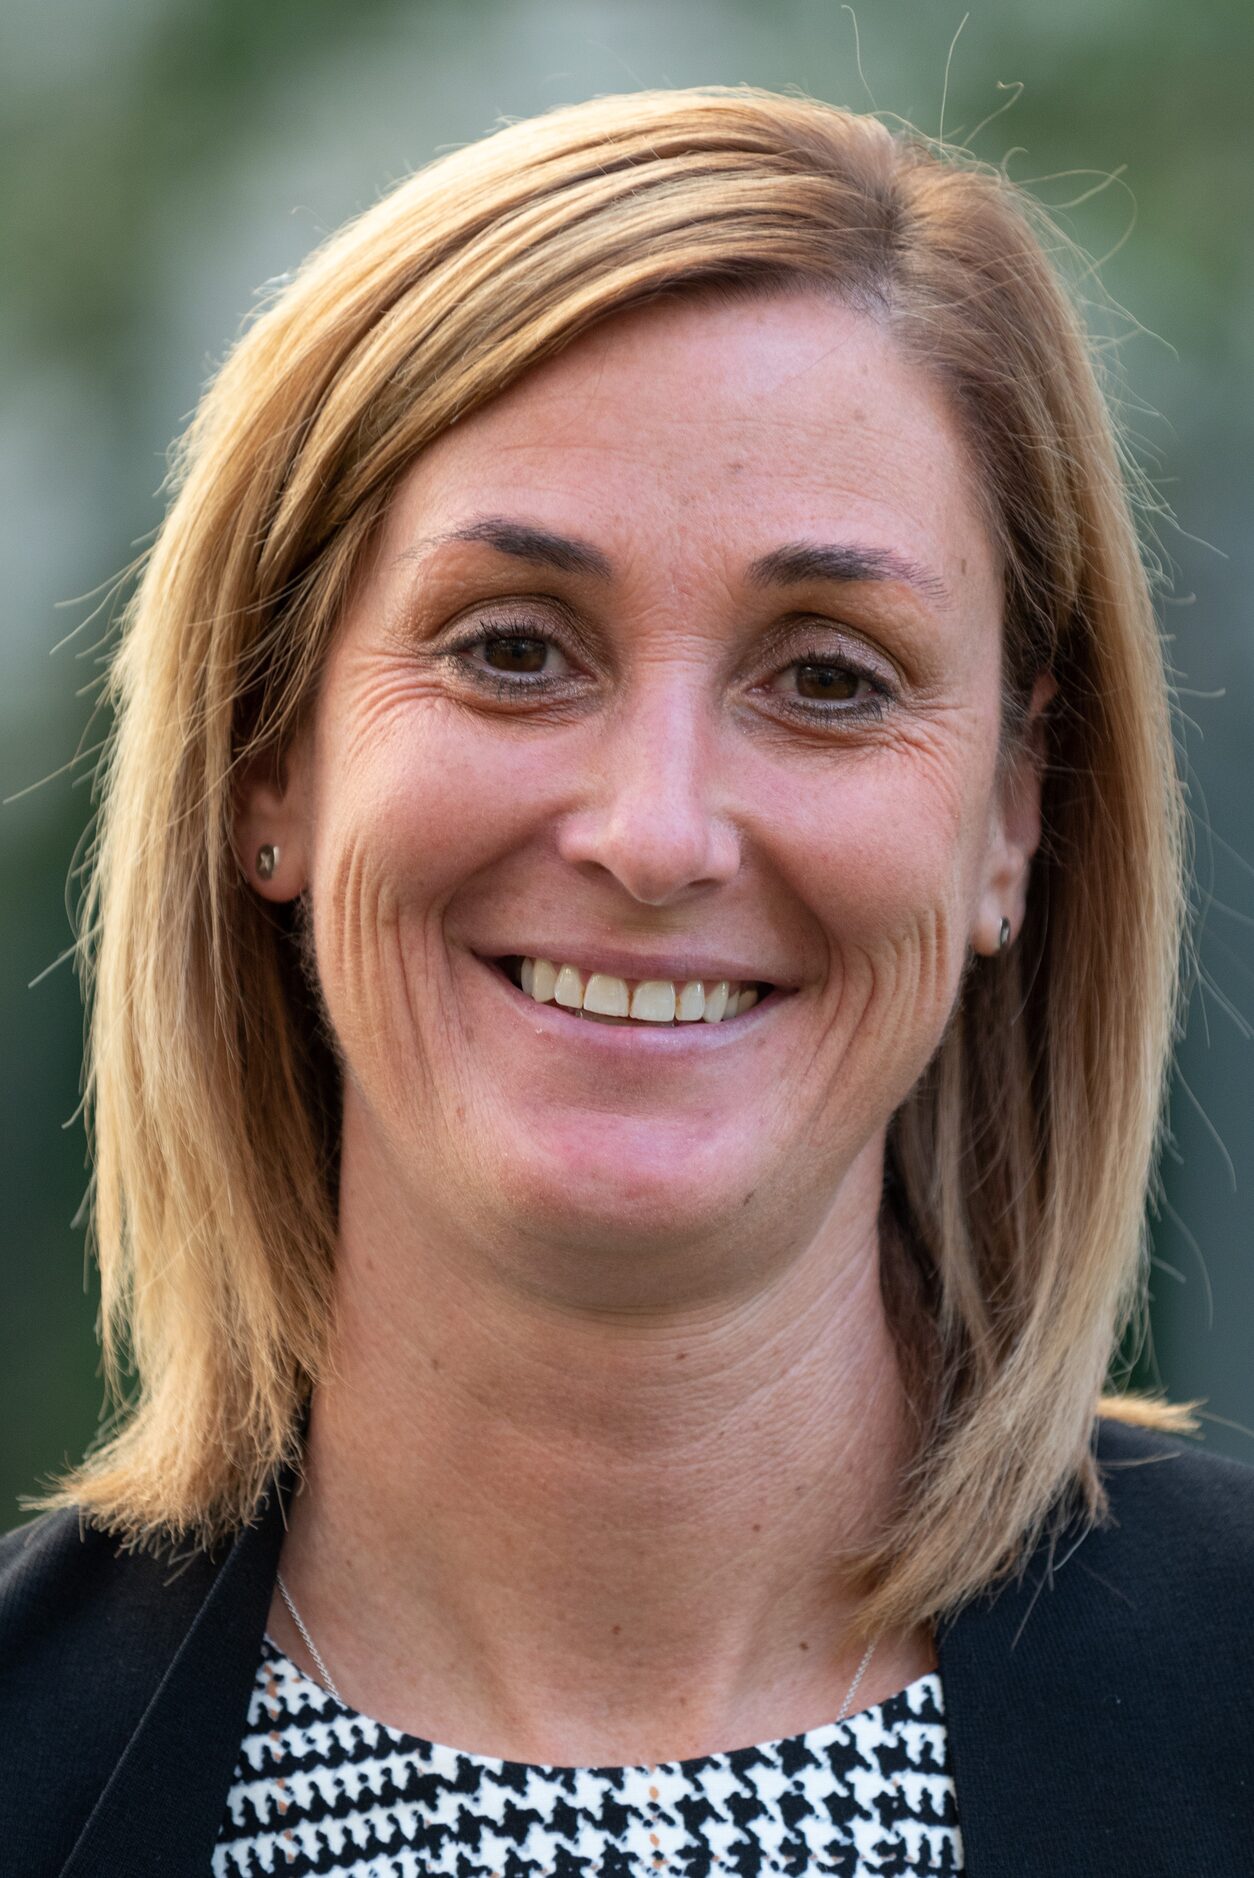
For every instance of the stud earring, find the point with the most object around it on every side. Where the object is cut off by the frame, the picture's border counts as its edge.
(267, 861)
(1003, 936)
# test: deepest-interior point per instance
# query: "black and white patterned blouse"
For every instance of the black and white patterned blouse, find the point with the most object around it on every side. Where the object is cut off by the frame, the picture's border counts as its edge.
(319, 1788)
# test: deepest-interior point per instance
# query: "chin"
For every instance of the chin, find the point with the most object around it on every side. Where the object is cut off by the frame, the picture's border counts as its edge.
(621, 1185)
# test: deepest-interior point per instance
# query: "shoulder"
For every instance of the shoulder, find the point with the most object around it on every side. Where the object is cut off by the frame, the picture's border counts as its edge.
(1178, 1517)
(1172, 1560)
(86, 1632)
(1124, 1445)
(62, 1578)
(55, 1549)
(1100, 1704)
(30, 1553)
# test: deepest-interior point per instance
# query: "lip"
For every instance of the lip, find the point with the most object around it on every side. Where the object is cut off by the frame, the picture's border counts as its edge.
(552, 1020)
(680, 967)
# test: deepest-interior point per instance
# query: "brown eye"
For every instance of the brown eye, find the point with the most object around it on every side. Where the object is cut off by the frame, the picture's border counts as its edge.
(827, 681)
(507, 653)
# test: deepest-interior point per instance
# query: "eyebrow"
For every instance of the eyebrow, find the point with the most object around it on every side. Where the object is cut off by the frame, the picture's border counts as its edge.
(792, 565)
(803, 561)
(525, 542)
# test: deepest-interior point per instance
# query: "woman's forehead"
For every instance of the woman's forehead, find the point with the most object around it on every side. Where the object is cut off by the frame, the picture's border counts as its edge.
(696, 428)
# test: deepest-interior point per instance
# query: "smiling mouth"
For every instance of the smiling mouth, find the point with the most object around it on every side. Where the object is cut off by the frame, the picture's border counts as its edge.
(607, 999)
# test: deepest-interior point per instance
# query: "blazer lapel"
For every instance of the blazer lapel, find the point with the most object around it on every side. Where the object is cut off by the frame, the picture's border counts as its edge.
(161, 1810)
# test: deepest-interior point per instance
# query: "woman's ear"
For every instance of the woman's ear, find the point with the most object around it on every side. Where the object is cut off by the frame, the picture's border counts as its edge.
(1015, 829)
(272, 823)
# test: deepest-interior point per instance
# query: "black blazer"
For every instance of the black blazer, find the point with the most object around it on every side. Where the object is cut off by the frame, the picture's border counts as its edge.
(1101, 1715)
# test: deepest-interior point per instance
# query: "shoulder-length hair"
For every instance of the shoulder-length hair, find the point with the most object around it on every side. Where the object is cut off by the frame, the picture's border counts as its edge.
(1018, 1168)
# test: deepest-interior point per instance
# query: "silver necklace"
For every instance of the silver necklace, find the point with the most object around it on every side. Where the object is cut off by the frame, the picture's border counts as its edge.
(325, 1673)
(860, 1673)
(310, 1645)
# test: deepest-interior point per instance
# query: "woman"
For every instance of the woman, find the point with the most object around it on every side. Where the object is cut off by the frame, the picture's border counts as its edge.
(634, 937)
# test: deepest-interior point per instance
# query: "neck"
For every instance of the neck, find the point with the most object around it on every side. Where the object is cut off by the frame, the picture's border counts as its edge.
(515, 1505)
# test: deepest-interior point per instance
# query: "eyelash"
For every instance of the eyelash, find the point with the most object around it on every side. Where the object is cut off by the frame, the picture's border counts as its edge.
(505, 685)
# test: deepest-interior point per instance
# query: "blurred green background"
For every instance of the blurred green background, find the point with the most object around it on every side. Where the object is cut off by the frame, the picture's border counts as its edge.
(164, 158)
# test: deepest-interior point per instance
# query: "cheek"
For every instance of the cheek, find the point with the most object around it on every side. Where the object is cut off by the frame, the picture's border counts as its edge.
(886, 858)
(890, 849)
(413, 803)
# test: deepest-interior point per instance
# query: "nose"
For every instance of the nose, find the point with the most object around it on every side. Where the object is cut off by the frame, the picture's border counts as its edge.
(655, 814)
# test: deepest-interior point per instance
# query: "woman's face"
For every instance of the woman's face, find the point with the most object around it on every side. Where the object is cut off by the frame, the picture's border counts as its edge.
(678, 664)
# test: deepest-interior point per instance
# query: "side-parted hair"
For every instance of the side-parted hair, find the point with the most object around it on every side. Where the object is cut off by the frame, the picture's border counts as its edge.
(1013, 1249)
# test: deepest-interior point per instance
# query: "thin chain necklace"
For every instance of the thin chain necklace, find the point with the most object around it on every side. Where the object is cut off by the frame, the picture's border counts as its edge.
(325, 1673)
(310, 1645)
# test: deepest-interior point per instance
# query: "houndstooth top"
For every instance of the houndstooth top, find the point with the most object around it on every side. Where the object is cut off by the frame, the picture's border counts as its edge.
(321, 1789)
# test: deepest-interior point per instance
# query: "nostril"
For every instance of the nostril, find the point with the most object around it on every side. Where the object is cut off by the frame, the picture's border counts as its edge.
(656, 846)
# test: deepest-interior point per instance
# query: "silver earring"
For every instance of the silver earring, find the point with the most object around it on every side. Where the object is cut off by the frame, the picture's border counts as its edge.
(1003, 936)
(267, 861)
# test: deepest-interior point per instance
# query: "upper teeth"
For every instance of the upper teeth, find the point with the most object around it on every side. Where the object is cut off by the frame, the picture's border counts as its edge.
(649, 1000)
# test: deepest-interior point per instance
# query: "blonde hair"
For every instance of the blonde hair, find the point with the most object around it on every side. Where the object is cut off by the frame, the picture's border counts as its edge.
(1018, 1168)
